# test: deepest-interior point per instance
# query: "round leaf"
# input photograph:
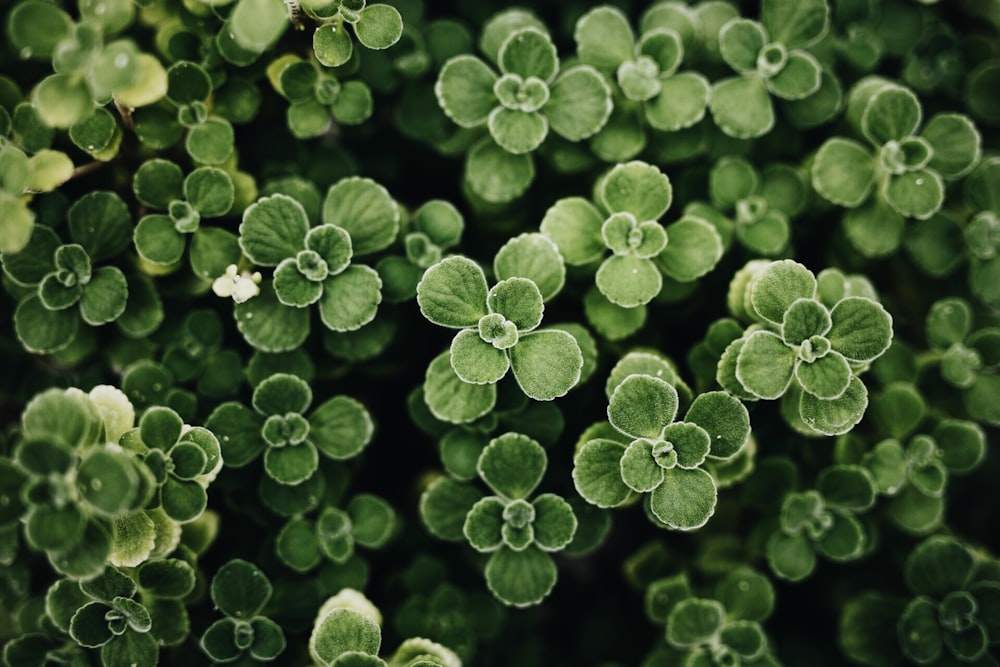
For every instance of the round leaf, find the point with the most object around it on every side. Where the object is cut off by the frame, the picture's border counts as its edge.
(520, 578)
(685, 500)
(512, 465)
(596, 473)
(453, 293)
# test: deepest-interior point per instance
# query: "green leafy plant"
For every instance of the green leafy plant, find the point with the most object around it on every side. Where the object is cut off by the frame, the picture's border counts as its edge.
(339, 332)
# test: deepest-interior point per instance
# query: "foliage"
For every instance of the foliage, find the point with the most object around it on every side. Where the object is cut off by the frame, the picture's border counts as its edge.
(418, 334)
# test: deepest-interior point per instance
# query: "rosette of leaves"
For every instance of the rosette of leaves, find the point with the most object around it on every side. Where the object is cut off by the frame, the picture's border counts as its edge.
(518, 106)
(43, 171)
(184, 460)
(801, 348)
(317, 97)
(725, 629)
(630, 199)
(450, 615)
(376, 26)
(969, 359)
(64, 285)
(89, 68)
(368, 521)
(915, 477)
(498, 331)
(519, 535)
(761, 203)
(433, 228)
(70, 484)
(823, 521)
(127, 618)
(659, 456)
(314, 264)
(969, 233)
(195, 355)
(907, 170)
(241, 592)
(162, 239)
(771, 58)
(344, 635)
(654, 92)
(954, 617)
(339, 428)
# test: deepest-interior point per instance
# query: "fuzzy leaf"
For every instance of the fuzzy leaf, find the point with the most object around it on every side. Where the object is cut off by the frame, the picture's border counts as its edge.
(765, 365)
(351, 298)
(453, 293)
(343, 630)
(273, 228)
(642, 406)
(512, 465)
(694, 621)
(604, 38)
(740, 41)
(535, 257)
(555, 523)
(637, 188)
(724, 418)
(861, 330)
(240, 590)
(843, 172)
(682, 102)
(483, 524)
(379, 26)
(579, 103)
(444, 506)
(956, 143)
(546, 363)
(596, 473)
(529, 52)
(452, 400)
(791, 557)
(795, 24)
(639, 470)
(892, 113)
(520, 578)
(477, 361)
(629, 281)
(685, 500)
(915, 194)
(366, 210)
(340, 428)
(800, 77)
(519, 301)
(741, 107)
(464, 90)
(835, 416)
(693, 249)
(575, 226)
(778, 286)
(826, 377)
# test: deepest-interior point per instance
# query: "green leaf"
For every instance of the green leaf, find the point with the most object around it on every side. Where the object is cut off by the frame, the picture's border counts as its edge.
(171, 578)
(724, 418)
(777, 286)
(804, 319)
(269, 639)
(555, 523)
(575, 226)
(546, 363)
(453, 293)
(528, 52)
(452, 400)
(273, 228)
(629, 281)
(520, 578)
(746, 594)
(795, 24)
(685, 500)
(373, 521)
(799, 78)
(695, 621)
(332, 45)
(519, 301)
(257, 24)
(104, 298)
(340, 428)
(642, 406)
(282, 393)
(157, 182)
(444, 506)
(741, 107)
(512, 465)
(791, 557)
(847, 487)
(379, 26)
(938, 566)
(350, 299)
(496, 175)
(210, 191)
(891, 113)
(183, 501)
(535, 257)
(579, 103)
(366, 210)
(54, 529)
(637, 188)
(862, 329)
(917, 194)
(604, 37)
(825, 377)
(218, 641)
(477, 361)
(100, 222)
(765, 365)
(108, 481)
(64, 419)
(35, 28)
(682, 102)
(517, 131)
(956, 144)
(740, 41)
(596, 473)
(639, 469)
(464, 90)
(212, 142)
(484, 523)
(961, 444)
(291, 464)
(843, 172)
(690, 443)
(693, 249)
(342, 630)
(240, 590)
(835, 416)
(297, 545)
(948, 322)
(292, 287)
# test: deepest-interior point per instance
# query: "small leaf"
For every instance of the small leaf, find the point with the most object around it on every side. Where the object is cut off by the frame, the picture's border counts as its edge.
(464, 90)
(452, 400)
(520, 578)
(724, 418)
(629, 281)
(596, 473)
(340, 428)
(579, 103)
(477, 361)
(777, 286)
(746, 594)
(682, 102)
(292, 464)
(512, 465)
(826, 377)
(257, 24)
(685, 500)
(604, 37)
(496, 175)
(517, 131)
(379, 26)
(693, 249)
(483, 524)
(741, 107)
(639, 470)
(282, 393)
(444, 506)
(546, 363)
(453, 293)
(519, 301)
(916, 194)
(694, 621)
(843, 172)
(795, 24)
(555, 523)
(956, 143)
(938, 566)
(791, 557)
(529, 52)
(104, 298)
(800, 77)
(351, 298)
(342, 630)
(641, 406)
(892, 113)
(575, 226)
(535, 257)
(740, 41)
(239, 589)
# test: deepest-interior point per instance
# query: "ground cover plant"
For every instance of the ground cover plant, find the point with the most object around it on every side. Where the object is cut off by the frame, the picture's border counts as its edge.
(429, 334)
